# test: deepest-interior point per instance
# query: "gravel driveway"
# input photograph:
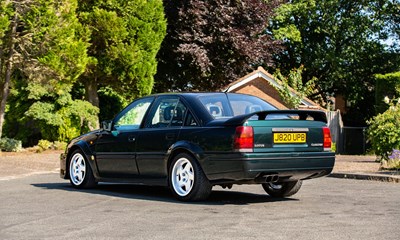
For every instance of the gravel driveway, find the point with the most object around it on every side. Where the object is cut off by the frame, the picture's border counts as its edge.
(27, 163)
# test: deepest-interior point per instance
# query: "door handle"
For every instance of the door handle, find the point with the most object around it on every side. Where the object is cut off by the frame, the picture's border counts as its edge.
(131, 139)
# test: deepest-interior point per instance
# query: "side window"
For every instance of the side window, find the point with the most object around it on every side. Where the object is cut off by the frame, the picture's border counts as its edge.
(133, 116)
(190, 120)
(168, 112)
(178, 115)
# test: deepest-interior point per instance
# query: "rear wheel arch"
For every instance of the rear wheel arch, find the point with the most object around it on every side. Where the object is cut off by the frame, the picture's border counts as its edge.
(184, 147)
(175, 153)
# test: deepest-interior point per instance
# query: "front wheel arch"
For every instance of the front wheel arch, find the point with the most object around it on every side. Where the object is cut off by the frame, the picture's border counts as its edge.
(88, 180)
(84, 147)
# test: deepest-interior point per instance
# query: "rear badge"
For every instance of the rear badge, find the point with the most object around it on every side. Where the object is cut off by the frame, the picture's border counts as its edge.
(259, 145)
(316, 144)
(290, 130)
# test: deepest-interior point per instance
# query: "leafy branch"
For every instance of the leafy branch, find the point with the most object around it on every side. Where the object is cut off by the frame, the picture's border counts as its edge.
(294, 81)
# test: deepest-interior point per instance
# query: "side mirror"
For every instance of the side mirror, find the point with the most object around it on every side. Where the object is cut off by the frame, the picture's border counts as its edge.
(106, 125)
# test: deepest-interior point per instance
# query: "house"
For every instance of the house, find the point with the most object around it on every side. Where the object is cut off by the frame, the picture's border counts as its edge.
(262, 84)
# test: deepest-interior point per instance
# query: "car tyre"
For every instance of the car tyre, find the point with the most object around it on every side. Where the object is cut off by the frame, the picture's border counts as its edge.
(187, 180)
(80, 172)
(284, 189)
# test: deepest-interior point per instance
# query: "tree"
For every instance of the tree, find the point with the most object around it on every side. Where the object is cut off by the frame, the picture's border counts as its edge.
(294, 81)
(43, 48)
(125, 38)
(341, 43)
(8, 29)
(387, 86)
(211, 43)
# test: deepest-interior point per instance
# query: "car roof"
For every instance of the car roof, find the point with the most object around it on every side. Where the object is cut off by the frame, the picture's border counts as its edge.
(196, 94)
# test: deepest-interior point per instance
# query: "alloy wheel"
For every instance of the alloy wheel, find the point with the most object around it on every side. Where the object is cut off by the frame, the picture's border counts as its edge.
(77, 169)
(182, 177)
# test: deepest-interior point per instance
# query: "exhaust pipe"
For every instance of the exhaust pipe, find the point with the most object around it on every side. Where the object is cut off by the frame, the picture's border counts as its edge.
(268, 179)
(271, 178)
(275, 178)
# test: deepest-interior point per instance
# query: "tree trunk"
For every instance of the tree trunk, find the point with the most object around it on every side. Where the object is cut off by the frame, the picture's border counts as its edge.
(8, 72)
(92, 96)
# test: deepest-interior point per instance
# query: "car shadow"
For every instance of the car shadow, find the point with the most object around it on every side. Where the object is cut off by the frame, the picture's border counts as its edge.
(155, 193)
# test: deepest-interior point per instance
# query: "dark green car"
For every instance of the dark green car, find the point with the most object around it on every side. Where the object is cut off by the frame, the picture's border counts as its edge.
(191, 142)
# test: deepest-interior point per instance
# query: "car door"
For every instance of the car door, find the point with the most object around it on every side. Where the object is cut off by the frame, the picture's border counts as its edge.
(161, 130)
(115, 150)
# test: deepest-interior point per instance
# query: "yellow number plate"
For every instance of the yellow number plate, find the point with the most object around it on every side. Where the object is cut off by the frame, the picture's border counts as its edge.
(289, 137)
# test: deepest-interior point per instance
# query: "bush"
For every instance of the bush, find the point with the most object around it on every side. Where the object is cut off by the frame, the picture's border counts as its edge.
(45, 145)
(10, 145)
(59, 145)
(384, 131)
(393, 162)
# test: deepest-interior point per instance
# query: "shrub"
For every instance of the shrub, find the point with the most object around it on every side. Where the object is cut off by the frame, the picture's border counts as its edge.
(10, 145)
(394, 160)
(384, 131)
(44, 144)
(59, 145)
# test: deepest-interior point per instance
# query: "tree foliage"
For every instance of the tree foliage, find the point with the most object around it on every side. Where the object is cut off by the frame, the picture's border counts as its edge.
(387, 85)
(294, 81)
(46, 46)
(212, 43)
(125, 38)
(46, 53)
(341, 43)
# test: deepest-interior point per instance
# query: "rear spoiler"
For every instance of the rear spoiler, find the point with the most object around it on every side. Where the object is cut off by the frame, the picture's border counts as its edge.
(303, 115)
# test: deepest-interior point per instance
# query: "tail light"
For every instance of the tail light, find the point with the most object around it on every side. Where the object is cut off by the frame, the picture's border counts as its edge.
(327, 139)
(244, 139)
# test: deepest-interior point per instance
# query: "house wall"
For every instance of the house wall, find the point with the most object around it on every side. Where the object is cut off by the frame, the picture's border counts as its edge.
(262, 89)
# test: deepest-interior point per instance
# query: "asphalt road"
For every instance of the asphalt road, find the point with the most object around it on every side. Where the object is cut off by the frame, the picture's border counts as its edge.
(46, 207)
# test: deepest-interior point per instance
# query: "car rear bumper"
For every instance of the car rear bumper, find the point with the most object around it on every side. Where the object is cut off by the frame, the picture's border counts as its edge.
(254, 167)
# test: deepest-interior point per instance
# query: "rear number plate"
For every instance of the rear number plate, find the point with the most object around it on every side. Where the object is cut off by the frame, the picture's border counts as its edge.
(289, 137)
